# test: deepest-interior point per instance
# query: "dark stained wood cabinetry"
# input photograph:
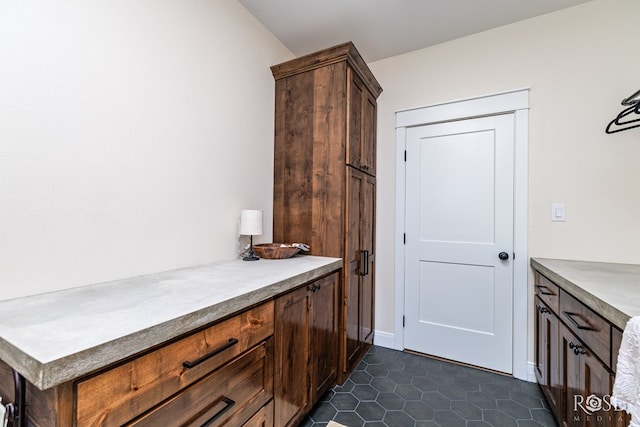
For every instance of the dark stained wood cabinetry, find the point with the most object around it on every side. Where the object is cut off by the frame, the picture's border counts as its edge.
(360, 265)
(584, 377)
(212, 361)
(219, 375)
(324, 176)
(361, 123)
(546, 353)
(306, 335)
(575, 356)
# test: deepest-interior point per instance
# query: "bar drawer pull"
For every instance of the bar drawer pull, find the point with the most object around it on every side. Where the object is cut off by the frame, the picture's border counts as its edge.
(572, 316)
(231, 343)
(228, 404)
(544, 290)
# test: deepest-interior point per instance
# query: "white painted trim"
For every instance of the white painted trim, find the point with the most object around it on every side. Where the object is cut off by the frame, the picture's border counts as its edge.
(460, 109)
(516, 101)
(384, 339)
(520, 232)
(400, 247)
(531, 373)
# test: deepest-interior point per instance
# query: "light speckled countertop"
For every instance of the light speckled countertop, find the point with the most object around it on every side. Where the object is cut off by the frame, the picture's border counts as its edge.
(611, 290)
(56, 337)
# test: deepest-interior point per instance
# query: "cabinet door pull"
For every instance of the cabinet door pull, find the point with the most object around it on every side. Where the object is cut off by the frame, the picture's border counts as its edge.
(363, 263)
(228, 404)
(572, 316)
(577, 349)
(366, 262)
(230, 343)
(542, 309)
(544, 290)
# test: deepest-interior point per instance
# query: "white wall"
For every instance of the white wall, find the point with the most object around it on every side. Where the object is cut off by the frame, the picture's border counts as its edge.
(579, 63)
(131, 135)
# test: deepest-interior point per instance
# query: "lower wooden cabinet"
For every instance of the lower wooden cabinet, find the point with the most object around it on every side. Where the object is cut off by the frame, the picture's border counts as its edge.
(306, 339)
(575, 357)
(263, 367)
(586, 386)
(546, 353)
(221, 375)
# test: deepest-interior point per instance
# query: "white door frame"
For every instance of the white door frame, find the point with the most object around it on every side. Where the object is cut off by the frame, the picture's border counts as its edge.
(517, 102)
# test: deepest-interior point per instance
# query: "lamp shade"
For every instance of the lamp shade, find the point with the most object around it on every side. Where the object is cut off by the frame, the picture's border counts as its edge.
(250, 222)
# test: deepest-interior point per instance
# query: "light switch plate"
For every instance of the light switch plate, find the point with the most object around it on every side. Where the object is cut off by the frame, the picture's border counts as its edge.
(558, 212)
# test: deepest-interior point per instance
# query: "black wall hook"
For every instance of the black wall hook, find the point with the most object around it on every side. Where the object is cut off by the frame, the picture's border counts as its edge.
(628, 118)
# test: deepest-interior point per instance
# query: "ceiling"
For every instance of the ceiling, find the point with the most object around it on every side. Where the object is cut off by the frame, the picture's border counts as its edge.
(384, 28)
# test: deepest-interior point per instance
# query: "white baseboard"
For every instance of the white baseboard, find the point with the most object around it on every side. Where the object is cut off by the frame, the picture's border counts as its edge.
(385, 339)
(531, 372)
(388, 340)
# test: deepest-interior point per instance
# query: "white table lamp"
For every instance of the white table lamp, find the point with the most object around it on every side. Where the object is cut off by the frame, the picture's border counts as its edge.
(250, 225)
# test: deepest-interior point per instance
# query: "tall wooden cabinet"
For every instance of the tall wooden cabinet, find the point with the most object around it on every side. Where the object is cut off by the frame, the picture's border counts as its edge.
(324, 176)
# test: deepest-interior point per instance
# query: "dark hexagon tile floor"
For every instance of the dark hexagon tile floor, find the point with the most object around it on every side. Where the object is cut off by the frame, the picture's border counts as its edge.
(396, 389)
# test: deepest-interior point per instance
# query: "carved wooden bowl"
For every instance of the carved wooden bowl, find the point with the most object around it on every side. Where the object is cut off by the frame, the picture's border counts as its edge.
(275, 250)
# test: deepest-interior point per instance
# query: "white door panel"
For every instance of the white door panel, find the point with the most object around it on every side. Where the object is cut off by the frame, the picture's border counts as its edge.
(459, 216)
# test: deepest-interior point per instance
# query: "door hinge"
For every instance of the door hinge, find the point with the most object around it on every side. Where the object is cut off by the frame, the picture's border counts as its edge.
(403, 321)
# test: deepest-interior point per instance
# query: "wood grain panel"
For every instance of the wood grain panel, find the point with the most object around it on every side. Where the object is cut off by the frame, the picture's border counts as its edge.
(328, 161)
(346, 52)
(548, 292)
(45, 408)
(367, 290)
(324, 335)
(355, 140)
(262, 418)
(291, 399)
(123, 392)
(293, 161)
(228, 396)
(592, 329)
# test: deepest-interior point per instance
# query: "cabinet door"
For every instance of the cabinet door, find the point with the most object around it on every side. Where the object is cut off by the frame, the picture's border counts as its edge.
(369, 130)
(291, 385)
(367, 291)
(354, 267)
(359, 287)
(361, 125)
(546, 356)
(587, 384)
(324, 334)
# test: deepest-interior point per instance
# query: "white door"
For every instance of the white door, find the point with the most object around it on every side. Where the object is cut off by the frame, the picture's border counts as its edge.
(459, 224)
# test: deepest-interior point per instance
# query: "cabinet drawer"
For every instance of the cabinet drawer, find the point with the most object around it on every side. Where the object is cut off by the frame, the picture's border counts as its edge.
(229, 396)
(263, 418)
(592, 329)
(125, 391)
(547, 291)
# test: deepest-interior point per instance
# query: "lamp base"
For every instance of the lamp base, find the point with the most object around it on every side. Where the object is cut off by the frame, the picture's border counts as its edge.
(251, 256)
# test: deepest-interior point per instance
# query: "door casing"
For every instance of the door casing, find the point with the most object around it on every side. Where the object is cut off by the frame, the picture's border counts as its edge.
(517, 102)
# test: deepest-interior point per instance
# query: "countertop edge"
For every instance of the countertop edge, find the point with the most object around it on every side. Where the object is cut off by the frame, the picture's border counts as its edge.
(50, 374)
(618, 318)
